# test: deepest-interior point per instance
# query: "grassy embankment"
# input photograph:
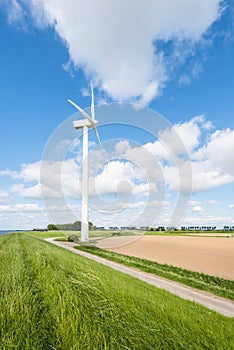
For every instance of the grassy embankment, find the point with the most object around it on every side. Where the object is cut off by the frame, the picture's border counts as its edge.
(92, 234)
(216, 285)
(53, 299)
(110, 233)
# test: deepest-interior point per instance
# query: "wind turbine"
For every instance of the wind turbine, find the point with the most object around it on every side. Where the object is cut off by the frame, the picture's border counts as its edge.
(85, 124)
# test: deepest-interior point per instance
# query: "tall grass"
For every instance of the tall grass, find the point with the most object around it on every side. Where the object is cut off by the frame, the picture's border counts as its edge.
(53, 299)
(48, 234)
(216, 285)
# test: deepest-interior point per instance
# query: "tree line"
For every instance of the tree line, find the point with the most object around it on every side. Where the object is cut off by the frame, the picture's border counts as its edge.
(76, 226)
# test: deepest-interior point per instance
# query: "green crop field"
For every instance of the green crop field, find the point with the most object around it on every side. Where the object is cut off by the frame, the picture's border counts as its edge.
(53, 299)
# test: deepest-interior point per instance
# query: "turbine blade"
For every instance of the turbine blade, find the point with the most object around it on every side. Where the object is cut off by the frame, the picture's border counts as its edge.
(85, 115)
(99, 141)
(96, 132)
(92, 103)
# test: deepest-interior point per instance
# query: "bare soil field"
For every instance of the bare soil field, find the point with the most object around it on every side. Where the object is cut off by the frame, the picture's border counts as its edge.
(210, 255)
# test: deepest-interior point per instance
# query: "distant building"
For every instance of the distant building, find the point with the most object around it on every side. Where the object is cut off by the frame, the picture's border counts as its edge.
(124, 228)
(198, 228)
(113, 228)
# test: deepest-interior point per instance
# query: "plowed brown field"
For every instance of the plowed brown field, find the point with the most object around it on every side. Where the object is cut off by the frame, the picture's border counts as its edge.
(210, 255)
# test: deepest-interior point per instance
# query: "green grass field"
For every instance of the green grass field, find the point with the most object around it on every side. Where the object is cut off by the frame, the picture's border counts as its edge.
(216, 285)
(53, 299)
(92, 234)
(109, 233)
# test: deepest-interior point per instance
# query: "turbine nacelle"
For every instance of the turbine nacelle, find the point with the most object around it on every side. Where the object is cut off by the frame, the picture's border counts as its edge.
(89, 122)
(79, 124)
(92, 121)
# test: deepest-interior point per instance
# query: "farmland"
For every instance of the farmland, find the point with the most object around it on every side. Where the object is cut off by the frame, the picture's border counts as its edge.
(210, 255)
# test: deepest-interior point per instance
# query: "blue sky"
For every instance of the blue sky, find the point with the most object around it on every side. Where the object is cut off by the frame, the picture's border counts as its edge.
(176, 59)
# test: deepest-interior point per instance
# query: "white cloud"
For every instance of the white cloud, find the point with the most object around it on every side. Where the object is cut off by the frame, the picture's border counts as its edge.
(211, 162)
(197, 209)
(8, 172)
(15, 11)
(189, 133)
(212, 201)
(30, 172)
(4, 196)
(193, 203)
(118, 43)
(117, 177)
(22, 207)
(208, 220)
(179, 139)
(27, 192)
(144, 189)
(231, 206)
(53, 179)
(133, 173)
(218, 151)
(207, 176)
(140, 204)
(185, 136)
(121, 147)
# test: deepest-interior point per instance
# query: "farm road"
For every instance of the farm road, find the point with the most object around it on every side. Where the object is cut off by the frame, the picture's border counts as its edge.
(218, 304)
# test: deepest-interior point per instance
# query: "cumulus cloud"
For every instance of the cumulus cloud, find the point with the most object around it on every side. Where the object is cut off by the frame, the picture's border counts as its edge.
(30, 192)
(4, 196)
(141, 204)
(211, 161)
(118, 178)
(52, 179)
(208, 220)
(143, 169)
(218, 151)
(30, 172)
(193, 203)
(182, 138)
(197, 209)
(127, 47)
(8, 172)
(22, 207)
(212, 201)
(134, 177)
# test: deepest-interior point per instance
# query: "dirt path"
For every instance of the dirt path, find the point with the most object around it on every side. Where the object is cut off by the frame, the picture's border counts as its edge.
(218, 304)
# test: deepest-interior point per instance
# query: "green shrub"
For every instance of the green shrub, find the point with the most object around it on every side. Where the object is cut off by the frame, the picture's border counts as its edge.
(73, 238)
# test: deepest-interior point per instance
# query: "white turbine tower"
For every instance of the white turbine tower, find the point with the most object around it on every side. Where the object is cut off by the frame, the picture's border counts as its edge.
(85, 124)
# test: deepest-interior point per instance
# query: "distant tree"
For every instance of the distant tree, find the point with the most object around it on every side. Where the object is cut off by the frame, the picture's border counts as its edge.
(91, 226)
(77, 226)
(52, 227)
